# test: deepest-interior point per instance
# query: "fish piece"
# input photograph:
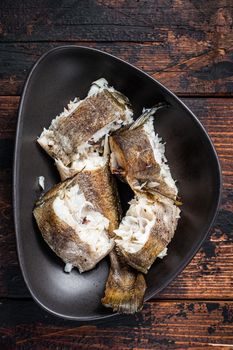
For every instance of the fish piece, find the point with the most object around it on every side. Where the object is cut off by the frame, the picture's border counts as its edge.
(75, 138)
(138, 157)
(99, 187)
(72, 225)
(146, 230)
(125, 287)
(64, 216)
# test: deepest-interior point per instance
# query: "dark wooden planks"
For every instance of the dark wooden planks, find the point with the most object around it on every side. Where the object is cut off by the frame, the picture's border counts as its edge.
(8, 116)
(209, 275)
(109, 20)
(161, 325)
(187, 65)
(185, 44)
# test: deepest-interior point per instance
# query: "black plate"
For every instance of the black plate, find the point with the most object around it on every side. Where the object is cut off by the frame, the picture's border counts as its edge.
(58, 76)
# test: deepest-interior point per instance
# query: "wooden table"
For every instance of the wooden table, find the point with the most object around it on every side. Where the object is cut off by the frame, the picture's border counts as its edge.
(188, 46)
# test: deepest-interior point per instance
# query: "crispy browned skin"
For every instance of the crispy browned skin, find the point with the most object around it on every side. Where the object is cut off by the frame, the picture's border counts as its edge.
(136, 163)
(93, 113)
(62, 238)
(99, 187)
(160, 236)
(143, 259)
(125, 287)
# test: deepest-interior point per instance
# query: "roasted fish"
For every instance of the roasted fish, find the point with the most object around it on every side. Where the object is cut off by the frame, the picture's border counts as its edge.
(125, 287)
(75, 138)
(146, 230)
(77, 218)
(138, 157)
(78, 141)
(73, 226)
(99, 187)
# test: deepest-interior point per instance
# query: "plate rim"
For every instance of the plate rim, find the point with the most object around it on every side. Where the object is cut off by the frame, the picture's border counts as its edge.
(193, 251)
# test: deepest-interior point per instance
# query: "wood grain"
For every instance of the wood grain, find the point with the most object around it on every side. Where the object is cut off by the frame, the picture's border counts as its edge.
(208, 276)
(188, 65)
(185, 44)
(161, 325)
(109, 20)
(188, 46)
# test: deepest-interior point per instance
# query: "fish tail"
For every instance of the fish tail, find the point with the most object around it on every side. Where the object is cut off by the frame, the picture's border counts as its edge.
(125, 287)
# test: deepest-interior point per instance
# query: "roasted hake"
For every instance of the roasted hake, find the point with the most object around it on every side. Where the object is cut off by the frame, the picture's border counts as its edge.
(73, 226)
(138, 157)
(146, 230)
(125, 287)
(75, 138)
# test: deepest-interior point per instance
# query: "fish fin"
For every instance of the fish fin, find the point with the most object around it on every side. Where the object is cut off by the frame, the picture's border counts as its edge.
(125, 287)
(146, 115)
